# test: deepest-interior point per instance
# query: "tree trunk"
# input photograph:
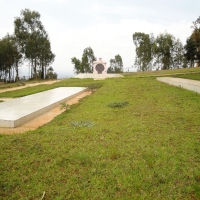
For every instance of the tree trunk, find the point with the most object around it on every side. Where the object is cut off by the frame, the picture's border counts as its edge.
(32, 68)
(45, 71)
(35, 69)
(17, 73)
(42, 74)
(9, 75)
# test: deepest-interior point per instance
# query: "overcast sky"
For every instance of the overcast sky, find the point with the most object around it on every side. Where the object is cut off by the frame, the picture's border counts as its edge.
(106, 26)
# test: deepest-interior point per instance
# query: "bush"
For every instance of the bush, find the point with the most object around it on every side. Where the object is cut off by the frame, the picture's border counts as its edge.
(118, 104)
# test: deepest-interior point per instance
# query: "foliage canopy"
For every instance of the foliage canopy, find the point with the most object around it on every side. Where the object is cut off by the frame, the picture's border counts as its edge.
(86, 63)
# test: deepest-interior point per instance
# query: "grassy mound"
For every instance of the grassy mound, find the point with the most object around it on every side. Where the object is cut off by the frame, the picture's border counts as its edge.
(148, 149)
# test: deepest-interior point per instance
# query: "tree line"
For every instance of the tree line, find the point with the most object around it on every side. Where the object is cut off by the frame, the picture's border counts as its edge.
(29, 42)
(152, 53)
(165, 51)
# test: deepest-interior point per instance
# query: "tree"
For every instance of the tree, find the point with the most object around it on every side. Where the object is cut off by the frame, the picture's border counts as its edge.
(163, 48)
(196, 24)
(144, 54)
(111, 69)
(196, 37)
(77, 65)
(87, 60)
(10, 58)
(33, 40)
(163, 52)
(168, 52)
(177, 54)
(86, 63)
(46, 57)
(116, 65)
(190, 50)
(51, 74)
(192, 46)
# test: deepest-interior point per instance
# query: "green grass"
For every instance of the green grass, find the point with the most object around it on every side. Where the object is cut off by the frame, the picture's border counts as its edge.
(40, 88)
(194, 76)
(19, 83)
(148, 149)
(164, 72)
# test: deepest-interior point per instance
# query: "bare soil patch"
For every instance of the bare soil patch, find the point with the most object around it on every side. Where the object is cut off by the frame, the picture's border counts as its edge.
(42, 119)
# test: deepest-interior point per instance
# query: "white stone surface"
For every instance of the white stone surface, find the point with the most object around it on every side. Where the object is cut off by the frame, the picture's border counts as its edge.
(20, 110)
(188, 84)
(97, 76)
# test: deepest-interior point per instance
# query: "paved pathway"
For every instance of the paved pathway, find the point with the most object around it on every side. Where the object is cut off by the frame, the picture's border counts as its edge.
(188, 84)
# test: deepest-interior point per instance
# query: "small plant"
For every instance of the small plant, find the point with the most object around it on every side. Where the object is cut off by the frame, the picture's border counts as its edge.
(64, 106)
(82, 124)
(1, 101)
(94, 86)
(118, 104)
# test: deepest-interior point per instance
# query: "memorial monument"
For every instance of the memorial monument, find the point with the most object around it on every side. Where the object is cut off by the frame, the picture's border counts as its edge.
(99, 71)
(99, 67)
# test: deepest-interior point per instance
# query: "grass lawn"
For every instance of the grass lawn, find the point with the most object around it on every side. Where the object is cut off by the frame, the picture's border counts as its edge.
(19, 83)
(40, 88)
(194, 76)
(165, 72)
(133, 138)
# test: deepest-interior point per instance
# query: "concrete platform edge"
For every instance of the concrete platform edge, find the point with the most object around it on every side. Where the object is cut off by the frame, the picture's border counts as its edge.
(187, 84)
(18, 122)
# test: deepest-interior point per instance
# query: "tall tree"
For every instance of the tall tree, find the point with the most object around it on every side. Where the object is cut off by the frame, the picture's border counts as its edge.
(87, 60)
(111, 69)
(77, 65)
(190, 51)
(163, 49)
(86, 63)
(10, 58)
(33, 38)
(163, 52)
(177, 54)
(196, 37)
(116, 65)
(46, 57)
(51, 74)
(192, 46)
(144, 53)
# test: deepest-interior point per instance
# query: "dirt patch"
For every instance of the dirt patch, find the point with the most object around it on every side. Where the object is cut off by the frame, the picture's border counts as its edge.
(42, 119)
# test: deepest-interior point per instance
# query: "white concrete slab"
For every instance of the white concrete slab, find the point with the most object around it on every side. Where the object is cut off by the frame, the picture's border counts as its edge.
(97, 76)
(188, 84)
(20, 110)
